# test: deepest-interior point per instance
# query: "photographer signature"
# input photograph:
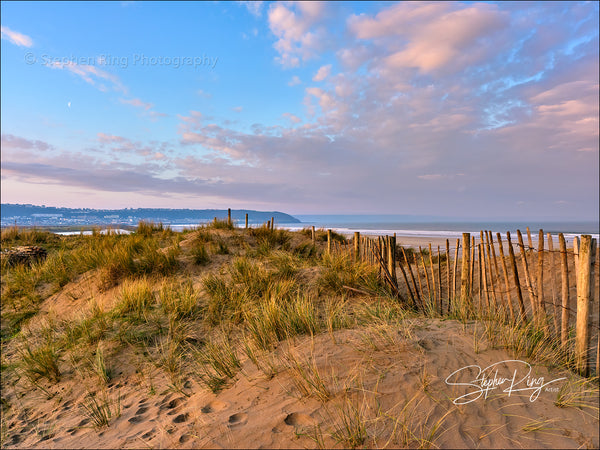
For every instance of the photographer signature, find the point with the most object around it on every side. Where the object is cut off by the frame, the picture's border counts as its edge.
(488, 380)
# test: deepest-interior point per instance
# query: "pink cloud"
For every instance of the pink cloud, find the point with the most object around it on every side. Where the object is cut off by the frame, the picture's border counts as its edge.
(16, 38)
(12, 142)
(137, 103)
(90, 74)
(322, 73)
(109, 138)
(292, 25)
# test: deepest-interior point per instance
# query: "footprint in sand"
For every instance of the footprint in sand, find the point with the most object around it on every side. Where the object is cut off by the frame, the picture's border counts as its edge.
(149, 434)
(184, 438)
(181, 418)
(238, 419)
(214, 406)
(299, 419)
(83, 422)
(137, 418)
(173, 403)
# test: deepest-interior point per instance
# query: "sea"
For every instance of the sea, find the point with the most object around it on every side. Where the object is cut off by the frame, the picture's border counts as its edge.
(426, 228)
(439, 228)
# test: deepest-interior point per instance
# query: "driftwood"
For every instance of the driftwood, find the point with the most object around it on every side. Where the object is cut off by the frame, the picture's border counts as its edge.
(24, 255)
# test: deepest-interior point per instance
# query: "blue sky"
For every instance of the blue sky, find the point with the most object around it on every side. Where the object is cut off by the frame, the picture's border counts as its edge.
(462, 109)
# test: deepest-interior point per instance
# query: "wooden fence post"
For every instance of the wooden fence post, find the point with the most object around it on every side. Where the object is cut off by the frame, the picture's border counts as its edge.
(564, 263)
(329, 242)
(432, 275)
(576, 254)
(529, 241)
(472, 268)
(465, 292)
(582, 340)
(490, 269)
(506, 282)
(313, 235)
(412, 277)
(356, 246)
(272, 223)
(228, 216)
(454, 271)
(246, 221)
(532, 299)
(483, 270)
(440, 280)
(481, 281)
(426, 275)
(513, 264)
(448, 270)
(391, 257)
(540, 281)
(553, 285)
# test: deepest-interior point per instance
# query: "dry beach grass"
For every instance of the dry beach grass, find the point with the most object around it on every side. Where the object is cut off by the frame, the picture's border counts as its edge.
(221, 338)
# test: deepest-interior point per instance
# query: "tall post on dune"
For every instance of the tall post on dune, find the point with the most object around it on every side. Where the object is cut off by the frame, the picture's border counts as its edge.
(587, 250)
(246, 221)
(329, 242)
(465, 293)
(272, 223)
(356, 246)
(314, 238)
(228, 216)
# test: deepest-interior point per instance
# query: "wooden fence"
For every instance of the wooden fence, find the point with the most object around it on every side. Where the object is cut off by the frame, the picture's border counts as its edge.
(556, 289)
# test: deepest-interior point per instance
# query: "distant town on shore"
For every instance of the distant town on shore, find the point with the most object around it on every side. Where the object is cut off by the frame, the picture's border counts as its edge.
(41, 215)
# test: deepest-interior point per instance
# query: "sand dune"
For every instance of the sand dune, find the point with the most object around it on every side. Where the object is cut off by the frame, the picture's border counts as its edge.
(379, 377)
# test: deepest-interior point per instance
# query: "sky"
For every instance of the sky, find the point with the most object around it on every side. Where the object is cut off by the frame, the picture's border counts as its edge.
(455, 109)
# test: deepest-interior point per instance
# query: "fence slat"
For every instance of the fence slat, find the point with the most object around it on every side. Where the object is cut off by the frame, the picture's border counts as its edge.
(532, 300)
(564, 263)
(515, 272)
(448, 270)
(540, 281)
(506, 281)
(465, 291)
(553, 284)
(432, 276)
(426, 274)
(582, 339)
(454, 272)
